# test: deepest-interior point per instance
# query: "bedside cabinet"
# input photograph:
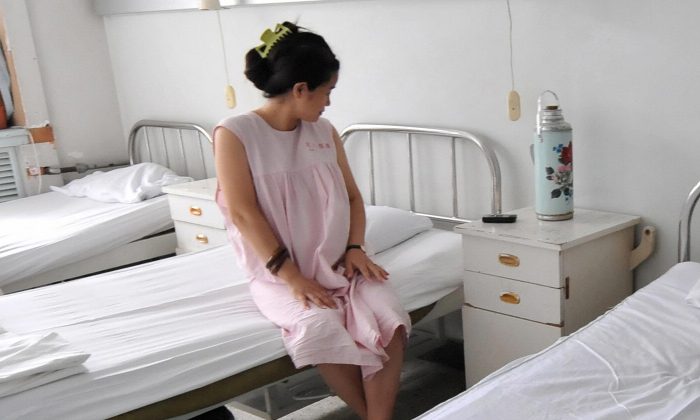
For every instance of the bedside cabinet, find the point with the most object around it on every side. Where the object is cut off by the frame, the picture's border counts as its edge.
(198, 221)
(528, 283)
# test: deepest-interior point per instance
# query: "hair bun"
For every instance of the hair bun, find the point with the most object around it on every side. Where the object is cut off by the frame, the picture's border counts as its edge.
(299, 56)
(257, 69)
(291, 26)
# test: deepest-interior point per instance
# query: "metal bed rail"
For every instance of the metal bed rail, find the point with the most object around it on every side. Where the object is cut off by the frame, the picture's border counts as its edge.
(453, 135)
(171, 153)
(684, 224)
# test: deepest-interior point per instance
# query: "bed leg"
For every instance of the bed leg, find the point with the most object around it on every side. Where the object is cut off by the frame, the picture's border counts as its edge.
(645, 247)
(258, 412)
(441, 329)
(270, 405)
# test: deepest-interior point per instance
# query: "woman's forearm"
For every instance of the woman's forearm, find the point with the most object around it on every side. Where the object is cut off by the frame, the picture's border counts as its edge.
(256, 230)
(357, 221)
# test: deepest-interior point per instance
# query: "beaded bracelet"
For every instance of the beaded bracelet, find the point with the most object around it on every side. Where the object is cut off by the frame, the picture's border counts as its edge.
(278, 252)
(354, 246)
(274, 263)
(279, 262)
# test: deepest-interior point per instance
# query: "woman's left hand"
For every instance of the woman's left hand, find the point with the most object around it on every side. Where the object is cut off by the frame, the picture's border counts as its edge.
(356, 260)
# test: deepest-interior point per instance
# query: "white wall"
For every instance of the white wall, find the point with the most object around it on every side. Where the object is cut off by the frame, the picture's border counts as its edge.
(79, 92)
(625, 72)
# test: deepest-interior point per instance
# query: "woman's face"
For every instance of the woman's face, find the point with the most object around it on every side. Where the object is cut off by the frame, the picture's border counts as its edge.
(314, 102)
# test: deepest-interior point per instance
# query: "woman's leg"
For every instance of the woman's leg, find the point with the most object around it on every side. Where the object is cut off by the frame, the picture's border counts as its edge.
(346, 381)
(381, 389)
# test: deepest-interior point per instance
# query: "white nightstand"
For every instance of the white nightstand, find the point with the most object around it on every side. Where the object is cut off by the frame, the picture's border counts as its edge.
(198, 221)
(530, 282)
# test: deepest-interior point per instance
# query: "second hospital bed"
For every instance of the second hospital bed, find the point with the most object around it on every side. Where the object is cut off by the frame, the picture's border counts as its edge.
(180, 335)
(52, 237)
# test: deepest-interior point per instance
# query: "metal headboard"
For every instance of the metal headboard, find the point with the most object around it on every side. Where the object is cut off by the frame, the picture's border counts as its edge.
(453, 135)
(175, 145)
(684, 224)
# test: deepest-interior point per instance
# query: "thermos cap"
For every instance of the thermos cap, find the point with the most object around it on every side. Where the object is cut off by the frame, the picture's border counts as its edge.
(549, 117)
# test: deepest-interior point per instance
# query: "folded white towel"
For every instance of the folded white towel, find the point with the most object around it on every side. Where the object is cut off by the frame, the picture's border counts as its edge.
(27, 361)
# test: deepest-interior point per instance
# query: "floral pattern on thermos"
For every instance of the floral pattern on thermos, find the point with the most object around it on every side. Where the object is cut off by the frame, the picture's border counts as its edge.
(562, 176)
(554, 176)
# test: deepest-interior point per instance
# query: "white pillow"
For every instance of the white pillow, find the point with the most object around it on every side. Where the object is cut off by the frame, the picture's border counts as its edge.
(124, 185)
(693, 297)
(389, 226)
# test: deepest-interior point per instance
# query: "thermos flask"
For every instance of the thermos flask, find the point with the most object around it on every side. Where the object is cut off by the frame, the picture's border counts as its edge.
(553, 158)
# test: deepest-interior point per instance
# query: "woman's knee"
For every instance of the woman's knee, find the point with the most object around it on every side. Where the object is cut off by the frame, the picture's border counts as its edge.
(322, 322)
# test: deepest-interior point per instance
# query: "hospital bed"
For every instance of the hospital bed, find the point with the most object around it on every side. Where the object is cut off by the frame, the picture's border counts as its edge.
(182, 335)
(52, 237)
(640, 360)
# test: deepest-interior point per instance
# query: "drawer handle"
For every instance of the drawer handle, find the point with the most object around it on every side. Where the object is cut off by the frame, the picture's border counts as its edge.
(195, 211)
(202, 238)
(509, 260)
(510, 297)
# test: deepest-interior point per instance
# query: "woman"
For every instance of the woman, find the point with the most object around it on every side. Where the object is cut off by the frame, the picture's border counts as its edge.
(296, 220)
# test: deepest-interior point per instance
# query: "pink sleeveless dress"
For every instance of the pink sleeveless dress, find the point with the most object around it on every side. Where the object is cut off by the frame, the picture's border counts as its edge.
(301, 191)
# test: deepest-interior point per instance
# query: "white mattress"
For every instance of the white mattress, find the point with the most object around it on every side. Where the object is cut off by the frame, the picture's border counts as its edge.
(639, 361)
(47, 231)
(164, 328)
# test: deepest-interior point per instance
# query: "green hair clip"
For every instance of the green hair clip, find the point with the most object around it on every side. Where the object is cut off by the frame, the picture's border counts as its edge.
(270, 38)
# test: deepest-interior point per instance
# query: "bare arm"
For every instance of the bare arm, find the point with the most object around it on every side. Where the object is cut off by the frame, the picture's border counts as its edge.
(236, 183)
(357, 206)
(355, 259)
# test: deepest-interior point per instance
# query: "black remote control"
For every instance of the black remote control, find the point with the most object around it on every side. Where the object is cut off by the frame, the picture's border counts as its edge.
(499, 218)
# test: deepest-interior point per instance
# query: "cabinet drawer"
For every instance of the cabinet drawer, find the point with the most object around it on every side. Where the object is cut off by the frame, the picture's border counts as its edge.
(492, 340)
(191, 237)
(195, 210)
(515, 261)
(512, 297)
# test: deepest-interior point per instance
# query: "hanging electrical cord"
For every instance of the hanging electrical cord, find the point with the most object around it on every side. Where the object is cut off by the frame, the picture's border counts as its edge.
(513, 96)
(216, 6)
(230, 93)
(510, 45)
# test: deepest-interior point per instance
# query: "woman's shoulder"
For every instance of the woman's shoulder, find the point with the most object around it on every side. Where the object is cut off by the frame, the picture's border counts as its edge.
(243, 126)
(322, 127)
(237, 122)
(324, 122)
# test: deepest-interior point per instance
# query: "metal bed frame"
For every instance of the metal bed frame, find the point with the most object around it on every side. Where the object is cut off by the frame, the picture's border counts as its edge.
(267, 374)
(172, 143)
(684, 224)
(166, 143)
(446, 134)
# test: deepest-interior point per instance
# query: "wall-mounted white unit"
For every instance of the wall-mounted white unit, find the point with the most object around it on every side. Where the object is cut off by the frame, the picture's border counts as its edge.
(113, 7)
(11, 179)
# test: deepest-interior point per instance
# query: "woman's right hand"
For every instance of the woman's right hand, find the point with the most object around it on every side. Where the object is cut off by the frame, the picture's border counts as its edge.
(306, 290)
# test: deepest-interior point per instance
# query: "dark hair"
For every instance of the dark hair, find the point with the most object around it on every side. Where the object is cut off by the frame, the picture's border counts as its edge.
(301, 56)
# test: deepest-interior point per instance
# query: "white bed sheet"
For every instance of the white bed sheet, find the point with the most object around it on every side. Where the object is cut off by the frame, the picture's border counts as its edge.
(164, 328)
(47, 231)
(640, 360)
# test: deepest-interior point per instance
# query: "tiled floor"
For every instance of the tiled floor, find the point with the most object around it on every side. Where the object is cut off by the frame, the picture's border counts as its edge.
(425, 382)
